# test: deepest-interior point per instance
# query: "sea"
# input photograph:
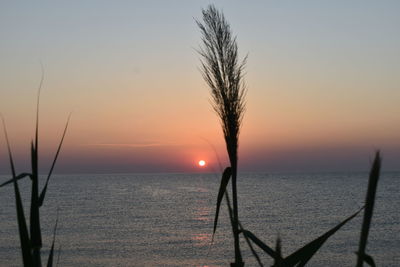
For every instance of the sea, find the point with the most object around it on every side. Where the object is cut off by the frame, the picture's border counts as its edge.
(167, 219)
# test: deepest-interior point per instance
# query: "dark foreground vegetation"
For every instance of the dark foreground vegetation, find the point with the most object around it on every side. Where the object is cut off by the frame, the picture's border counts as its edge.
(31, 241)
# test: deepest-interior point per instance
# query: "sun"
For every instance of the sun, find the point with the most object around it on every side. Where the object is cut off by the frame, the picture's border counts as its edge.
(202, 163)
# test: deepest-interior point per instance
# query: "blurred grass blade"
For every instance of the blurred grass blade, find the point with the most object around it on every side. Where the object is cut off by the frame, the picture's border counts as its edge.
(43, 193)
(9, 149)
(58, 255)
(368, 259)
(36, 236)
(260, 244)
(222, 188)
(18, 177)
(230, 212)
(304, 254)
(51, 254)
(22, 227)
(278, 250)
(369, 207)
(37, 108)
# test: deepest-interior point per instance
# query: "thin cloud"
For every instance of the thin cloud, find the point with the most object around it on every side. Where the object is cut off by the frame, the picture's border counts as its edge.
(128, 145)
(140, 145)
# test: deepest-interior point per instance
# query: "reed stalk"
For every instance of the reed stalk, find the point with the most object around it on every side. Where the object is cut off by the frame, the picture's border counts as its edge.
(223, 73)
(369, 207)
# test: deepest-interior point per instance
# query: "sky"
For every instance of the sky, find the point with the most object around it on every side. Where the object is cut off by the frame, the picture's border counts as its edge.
(322, 78)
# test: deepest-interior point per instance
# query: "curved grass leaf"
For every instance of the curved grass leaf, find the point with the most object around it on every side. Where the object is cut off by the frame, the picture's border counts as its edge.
(36, 235)
(43, 193)
(222, 188)
(369, 207)
(18, 177)
(51, 254)
(58, 255)
(35, 230)
(304, 254)
(22, 227)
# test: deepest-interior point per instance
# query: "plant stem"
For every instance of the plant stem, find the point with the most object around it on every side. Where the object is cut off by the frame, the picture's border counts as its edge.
(238, 255)
(369, 207)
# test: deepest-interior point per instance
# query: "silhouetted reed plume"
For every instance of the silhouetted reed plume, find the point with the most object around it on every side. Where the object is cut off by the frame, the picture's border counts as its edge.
(223, 73)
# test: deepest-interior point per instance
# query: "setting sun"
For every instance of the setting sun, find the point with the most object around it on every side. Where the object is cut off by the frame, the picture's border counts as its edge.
(202, 163)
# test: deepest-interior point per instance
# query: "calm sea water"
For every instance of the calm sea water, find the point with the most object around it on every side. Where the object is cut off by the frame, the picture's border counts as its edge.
(166, 219)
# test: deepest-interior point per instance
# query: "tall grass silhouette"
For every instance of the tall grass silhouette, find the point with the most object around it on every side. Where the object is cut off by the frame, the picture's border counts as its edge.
(223, 73)
(31, 241)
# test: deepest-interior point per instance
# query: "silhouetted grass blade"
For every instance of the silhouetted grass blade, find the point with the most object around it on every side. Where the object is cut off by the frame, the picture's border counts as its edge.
(43, 193)
(18, 177)
(58, 255)
(8, 149)
(36, 236)
(51, 254)
(260, 244)
(369, 207)
(278, 250)
(304, 254)
(31, 241)
(22, 227)
(37, 110)
(222, 188)
(230, 211)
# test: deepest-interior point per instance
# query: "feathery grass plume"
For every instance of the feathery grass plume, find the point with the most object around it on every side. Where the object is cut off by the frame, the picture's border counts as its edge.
(223, 73)
(369, 207)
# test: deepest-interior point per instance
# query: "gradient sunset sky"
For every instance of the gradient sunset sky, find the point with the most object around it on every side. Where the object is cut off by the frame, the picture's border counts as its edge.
(323, 81)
